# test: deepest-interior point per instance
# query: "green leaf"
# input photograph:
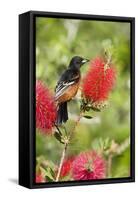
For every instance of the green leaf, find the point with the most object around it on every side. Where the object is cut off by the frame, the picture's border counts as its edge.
(96, 109)
(48, 179)
(88, 117)
(52, 172)
(58, 137)
(107, 143)
(49, 174)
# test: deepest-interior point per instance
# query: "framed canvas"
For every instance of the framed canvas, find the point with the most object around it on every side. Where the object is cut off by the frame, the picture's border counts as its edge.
(76, 99)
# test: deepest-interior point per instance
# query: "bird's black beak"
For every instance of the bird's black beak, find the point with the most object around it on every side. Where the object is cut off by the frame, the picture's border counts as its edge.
(85, 61)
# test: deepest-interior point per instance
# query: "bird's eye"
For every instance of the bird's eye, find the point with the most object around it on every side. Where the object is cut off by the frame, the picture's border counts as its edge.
(78, 62)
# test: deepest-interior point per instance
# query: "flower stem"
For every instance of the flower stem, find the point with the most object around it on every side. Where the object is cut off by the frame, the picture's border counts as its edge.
(61, 161)
(76, 124)
(66, 146)
(109, 165)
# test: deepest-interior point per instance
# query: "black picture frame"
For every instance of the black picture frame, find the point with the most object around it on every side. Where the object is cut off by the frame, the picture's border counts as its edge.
(27, 98)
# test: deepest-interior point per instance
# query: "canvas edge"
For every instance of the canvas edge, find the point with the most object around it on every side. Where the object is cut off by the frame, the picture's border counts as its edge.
(31, 63)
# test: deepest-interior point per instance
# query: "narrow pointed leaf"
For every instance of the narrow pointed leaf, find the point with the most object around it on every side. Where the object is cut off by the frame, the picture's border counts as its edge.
(88, 117)
(58, 137)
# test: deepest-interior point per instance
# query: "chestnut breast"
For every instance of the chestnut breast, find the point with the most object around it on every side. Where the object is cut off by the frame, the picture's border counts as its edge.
(69, 93)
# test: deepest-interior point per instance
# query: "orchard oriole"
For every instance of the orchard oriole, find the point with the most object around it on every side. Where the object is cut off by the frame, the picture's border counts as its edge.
(67, 87)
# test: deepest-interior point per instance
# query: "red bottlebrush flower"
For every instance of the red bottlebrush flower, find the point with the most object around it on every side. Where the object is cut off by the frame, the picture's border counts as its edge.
(99, 80)
(39, 178)
(66, 167)
(88, 166)
(45, 108)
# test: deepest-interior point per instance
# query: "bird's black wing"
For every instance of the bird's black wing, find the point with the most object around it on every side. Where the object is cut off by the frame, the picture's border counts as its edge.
(69, 77)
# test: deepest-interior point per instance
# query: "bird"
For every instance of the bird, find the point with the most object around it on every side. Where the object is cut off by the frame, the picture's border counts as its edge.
(67, 87)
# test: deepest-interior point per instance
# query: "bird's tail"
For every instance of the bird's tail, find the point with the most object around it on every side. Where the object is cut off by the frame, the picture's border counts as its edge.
(62, 114)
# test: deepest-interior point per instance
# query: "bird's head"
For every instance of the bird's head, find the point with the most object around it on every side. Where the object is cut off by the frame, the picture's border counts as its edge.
(77, 62)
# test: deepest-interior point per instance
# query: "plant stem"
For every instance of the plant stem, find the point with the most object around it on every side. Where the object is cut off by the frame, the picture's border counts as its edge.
(66, 145)
(76, 124)
(109, 165)
(61, 161)
(117, 151)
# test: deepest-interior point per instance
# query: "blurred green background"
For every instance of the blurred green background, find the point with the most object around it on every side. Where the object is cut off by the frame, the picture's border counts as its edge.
(57, 41)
